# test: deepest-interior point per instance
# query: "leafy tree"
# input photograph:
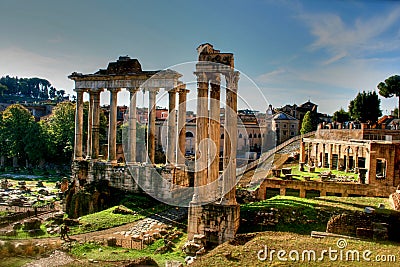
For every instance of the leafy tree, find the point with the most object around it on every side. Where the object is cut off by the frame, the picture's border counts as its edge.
(30, 87)
(307, 124)
(36, 143)
(395, 112)
(341, 116)
(60, 130)
(365, 107)
(390, 87)
(3, 88)
(20, 133)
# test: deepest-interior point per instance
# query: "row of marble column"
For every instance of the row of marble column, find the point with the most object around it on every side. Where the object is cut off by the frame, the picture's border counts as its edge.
(310, 146)
(208, 127)
(173, 157)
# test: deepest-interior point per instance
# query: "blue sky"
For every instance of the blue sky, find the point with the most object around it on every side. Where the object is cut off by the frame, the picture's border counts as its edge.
(325, 51)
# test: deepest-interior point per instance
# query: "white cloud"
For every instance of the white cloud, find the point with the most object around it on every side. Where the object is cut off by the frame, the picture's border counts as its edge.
(361, 35)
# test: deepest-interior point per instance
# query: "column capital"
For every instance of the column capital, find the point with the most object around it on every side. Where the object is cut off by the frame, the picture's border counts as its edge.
(201, 76)
(95, 90)
(232, 79)
(215, 78)
(183, 91)
(133, 89)
(114, 90)
(172, 90)
(81, 90)
(151, 89)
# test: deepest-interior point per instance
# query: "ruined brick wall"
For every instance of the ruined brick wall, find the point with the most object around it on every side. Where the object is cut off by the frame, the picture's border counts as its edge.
(388, 153)
(345, 189)
(339, 134)
(347, 224)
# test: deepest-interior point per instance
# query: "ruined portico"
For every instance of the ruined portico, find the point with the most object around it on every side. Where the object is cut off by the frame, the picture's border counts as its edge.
(126, 73)
(214, 211)
(374, 153)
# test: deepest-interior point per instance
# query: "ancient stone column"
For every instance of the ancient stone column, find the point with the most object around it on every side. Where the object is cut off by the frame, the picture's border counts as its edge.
(90, 126)
(200, 177)
(347, 163)
(132, 125)
(181, 126)
(78, 124)
(215, 134)
(112, 127)
(171, 124)
(356, 158)
(230, 139)
(96, 123)
(323, 156)
(302, 151)
(151, 132)
(331, 156)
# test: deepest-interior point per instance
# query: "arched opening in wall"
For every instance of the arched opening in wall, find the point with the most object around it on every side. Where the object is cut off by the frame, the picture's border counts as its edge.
(189, 134)
(333, 194)
(361, 162)
(271, 192)
(312, 193)
(292, 192)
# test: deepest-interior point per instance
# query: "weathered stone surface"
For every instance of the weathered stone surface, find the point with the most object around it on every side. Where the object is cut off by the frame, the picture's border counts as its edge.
(32, 224)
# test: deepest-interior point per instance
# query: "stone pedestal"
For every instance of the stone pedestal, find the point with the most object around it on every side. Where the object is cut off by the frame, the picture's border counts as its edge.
(362, 175)
(219, 223)
(301, 166)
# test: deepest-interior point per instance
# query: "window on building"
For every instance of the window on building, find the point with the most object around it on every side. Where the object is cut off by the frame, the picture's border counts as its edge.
(284, 126)
(292, 125)
(284, 132)
(380, 168)
(291, 133)
(189, 134)
(222, 136)
(240, 136)
(259, 135)
(250, 136)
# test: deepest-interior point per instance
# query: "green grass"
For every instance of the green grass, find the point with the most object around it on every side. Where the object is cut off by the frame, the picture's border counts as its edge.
(23, 235)
(4, 213)
(246, 254)
(315, 175)
(303, 215)
(105, 219)
(91, 251)
(14, 261)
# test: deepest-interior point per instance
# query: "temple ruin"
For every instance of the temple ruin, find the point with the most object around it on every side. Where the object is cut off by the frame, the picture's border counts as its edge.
(210, 194)
(138, 172)
(214, 212)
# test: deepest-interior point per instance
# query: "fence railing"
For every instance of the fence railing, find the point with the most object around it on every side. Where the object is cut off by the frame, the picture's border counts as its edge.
(267, 154)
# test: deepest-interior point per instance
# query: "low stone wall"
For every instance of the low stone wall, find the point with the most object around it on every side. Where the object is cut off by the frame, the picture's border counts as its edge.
(325, 188)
